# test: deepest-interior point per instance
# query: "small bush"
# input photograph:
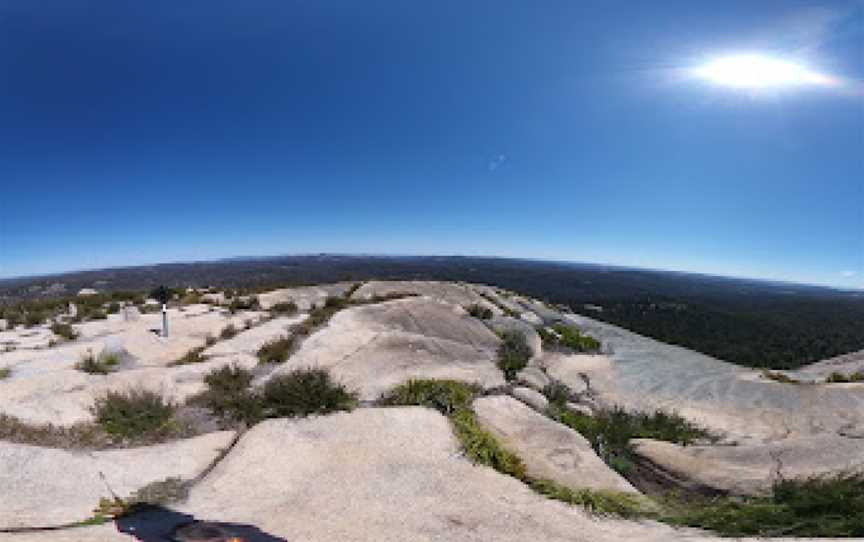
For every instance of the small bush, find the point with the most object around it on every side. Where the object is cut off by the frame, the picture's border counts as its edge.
(445, 396)
(5, 372)
(194, 355)
(779, 377)
(134, 415)
(98, 365)
(558, 394)
(113, 308)
(64, 330)
(479, 311)
(303, 392)
(277, 350)
(228, 332)
(286, 307)
(78, 436)
(568, 337)
(228, 395)
(513, 354)
(32, 319)
(209, 340)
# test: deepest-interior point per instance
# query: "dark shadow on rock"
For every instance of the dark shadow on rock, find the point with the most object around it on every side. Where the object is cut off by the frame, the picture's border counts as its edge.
(152, 523)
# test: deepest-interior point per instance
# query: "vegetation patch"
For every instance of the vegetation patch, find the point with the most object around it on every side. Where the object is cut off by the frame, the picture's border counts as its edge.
(284, 308)
(228, 332)
(194, 355)
(610, 431)
(505, 309)
(599, 502)
(812, 507)
(276, 350)
(303, 392)
(479, 311)
(836, 377)
(137, 416)
(569, 337)
(5, 372)
(78, 436)
(513, 354)
(65, 331)
(779, 377)
(228, 394)
(102, 364)
(445, 396)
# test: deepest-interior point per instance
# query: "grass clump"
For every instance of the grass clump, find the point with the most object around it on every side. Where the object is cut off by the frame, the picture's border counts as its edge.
(839, 378)
(779, 377)
(482, 447)
(811, 507)
(194, 355)
(303, 392)
(479, 311)
(513, 354)
(276, 350)
(286, 307)
(102, 364)
(445, 396)
(599, 502)
(5, 372)
(78, 436)
(610, 431)
(135, 415)
(65, 331)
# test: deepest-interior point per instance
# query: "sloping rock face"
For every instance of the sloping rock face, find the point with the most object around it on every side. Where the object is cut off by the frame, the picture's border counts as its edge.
(449, 292)
(390, 474)
(305, 296)
(549, 449)
(374, 348)
(750, 469)
(44, 487)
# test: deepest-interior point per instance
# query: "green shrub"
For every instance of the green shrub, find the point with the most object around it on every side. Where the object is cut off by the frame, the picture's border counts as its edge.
(32, 319)
(569, 337)
(5, 372)
(98, 365)
(228, 395)
(479, 311)
(209, 340)
(228, 332)
(779, 377)
(134, 414)
(303, 392)
(445, 396)
(113, 308)
(276, 350)
(194, 355)
(286, 307)
(558, 394)
(64, 330)
(513, 354)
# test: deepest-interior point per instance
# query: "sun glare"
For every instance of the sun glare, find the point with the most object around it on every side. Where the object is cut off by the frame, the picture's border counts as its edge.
(757, 72)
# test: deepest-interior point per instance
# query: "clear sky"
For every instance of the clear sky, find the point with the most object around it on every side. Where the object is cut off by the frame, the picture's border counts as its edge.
(633, 133)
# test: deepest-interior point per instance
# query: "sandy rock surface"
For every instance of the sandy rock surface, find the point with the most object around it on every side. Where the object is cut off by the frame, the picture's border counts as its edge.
(45, 487)
(549, 449)
(373, 348)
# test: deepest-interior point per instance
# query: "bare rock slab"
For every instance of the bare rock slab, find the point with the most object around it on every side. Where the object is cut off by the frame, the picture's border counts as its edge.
(373, 348)
(548, 448)
(534, 399)
(45, 487)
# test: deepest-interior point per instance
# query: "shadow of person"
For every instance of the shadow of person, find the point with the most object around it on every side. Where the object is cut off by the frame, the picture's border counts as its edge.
(151, 523)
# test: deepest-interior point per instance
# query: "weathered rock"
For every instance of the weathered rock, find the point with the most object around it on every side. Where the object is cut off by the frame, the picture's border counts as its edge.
(373, 348)
(532, 398)
(533, 377)
(305, 296)
(45, 487)
(448, 292)
(574, 370)
(548, 448)
(506, 323)
(751, 469)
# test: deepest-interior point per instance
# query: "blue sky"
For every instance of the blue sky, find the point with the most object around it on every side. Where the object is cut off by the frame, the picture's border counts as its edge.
(140, 132)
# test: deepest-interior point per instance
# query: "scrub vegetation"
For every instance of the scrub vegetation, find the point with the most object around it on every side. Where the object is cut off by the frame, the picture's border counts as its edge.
(513, 354)
(104, 363)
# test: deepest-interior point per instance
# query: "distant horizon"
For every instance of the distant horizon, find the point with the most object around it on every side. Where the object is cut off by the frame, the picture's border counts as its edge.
(240, 258)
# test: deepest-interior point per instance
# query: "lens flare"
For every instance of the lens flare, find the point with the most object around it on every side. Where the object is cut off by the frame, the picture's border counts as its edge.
(753, 71)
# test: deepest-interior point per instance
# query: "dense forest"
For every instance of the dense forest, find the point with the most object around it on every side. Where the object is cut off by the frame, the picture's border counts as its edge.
(753, 323)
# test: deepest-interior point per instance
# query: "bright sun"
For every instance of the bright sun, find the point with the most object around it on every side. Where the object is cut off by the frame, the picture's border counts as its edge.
(753, 71)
